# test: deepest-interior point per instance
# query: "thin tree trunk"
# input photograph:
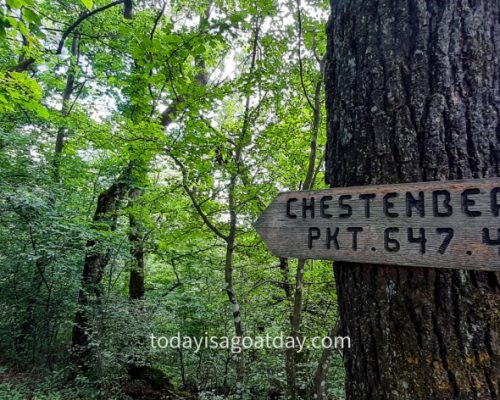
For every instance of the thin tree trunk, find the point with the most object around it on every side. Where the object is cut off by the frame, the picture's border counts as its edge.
(137, 368)
(228, 276)
(244, 140)
(291, 355)
(313, 151)
(317, 385)
(65, 106)
(295, 319)
(136, 288)
(283, 265)
(413, 93)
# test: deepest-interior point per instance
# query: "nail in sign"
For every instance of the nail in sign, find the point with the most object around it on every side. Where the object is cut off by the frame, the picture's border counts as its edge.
(448, 224)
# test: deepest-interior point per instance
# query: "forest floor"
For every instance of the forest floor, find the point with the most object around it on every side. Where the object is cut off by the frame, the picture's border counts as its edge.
(24, 385)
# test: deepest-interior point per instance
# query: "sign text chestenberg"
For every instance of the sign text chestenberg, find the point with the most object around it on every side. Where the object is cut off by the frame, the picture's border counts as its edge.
(449, 224)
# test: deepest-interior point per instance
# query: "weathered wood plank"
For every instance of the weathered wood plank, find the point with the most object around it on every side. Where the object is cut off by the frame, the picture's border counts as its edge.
(447, 224)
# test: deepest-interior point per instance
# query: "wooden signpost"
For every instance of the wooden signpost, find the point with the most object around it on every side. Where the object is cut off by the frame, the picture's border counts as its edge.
(449, 224)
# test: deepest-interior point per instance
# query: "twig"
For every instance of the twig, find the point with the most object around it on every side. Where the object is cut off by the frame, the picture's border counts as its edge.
(77, 95)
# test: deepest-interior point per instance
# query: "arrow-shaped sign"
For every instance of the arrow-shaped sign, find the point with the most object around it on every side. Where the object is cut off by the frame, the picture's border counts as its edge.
(448, 224)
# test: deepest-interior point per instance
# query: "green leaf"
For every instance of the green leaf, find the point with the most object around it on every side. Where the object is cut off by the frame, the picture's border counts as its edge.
(30, 16)
(23, 29)
(88, 4)
(14, 3)
(42, 112)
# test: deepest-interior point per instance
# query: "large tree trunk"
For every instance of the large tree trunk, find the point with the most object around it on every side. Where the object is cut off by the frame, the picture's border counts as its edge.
(413, 93)
(97, 256)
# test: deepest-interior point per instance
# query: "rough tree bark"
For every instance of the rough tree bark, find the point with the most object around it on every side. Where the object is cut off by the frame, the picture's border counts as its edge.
(413, 94)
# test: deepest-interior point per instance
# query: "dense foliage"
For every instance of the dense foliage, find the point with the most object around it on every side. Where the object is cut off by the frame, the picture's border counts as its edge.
(138, 145)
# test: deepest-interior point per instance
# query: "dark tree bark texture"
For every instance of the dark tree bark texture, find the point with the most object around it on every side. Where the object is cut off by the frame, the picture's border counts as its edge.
(413, 94)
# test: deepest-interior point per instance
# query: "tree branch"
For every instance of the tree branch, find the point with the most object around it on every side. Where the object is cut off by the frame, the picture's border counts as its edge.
(82, 18)
(127, 9)
(157, 20)
(22, 66)
(196, 205)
